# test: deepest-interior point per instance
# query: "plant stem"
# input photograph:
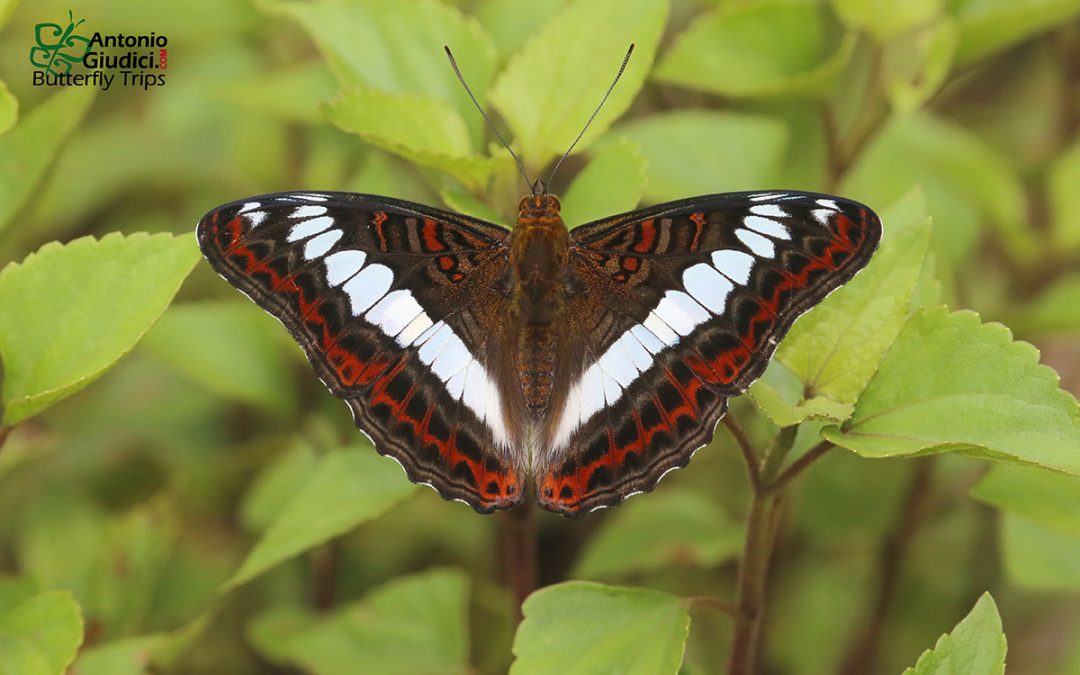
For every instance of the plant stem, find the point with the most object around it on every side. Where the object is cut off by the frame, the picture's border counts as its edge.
(4, 431)
(519, 551)
(747, 449)
(862, 655)
(761, 528)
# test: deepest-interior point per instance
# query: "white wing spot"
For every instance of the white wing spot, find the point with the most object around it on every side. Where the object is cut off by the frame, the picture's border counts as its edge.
(308, 228)
(680, 312)
(734, 265)
(342, 265)
(365, 289)
(317, 247)
(823, 216)
(256, 218)
(308, 211)
(767, 226)
(771, 210)
(618, 365)
(396, 310)
(312, 197)
(829, 204)
(416, 328)
(661, 330)
(761, 246)
(248, 206)
(708, 286)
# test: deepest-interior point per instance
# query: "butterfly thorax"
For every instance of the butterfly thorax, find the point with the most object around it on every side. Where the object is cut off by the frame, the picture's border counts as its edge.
(539, 251)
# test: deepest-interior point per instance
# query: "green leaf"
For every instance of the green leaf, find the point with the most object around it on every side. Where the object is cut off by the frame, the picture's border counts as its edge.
(231, 347)
(976, 645)
(396, 47)
(774, 47)
(579, 627)
(9, 108)
(140, 655)
(41, 635)
(689, 152)
(918, 66)
(960, 175)
(69, 312)
(885, 19)
(1047, 497)
(835, 349)
(1065, 199)
(288, 95)
(611, 183)
(1053, 310)
(414, 625)
(951, 383)
(276, 485)
(988, 26)
(550, 88)
(677, 528)
(463, 202)
(422, 129)
(347, 488)
(779, 393)
(27, 150)
(1038, 557)
(512, 22)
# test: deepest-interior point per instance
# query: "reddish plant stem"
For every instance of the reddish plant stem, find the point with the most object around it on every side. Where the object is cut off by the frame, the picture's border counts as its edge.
(518, 534)
(798, 466)
(747, 448)
(862, 656)
(326, 561)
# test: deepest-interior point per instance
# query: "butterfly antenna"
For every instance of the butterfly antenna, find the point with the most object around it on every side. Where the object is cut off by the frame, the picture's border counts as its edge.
(491, 125)
(626, 59)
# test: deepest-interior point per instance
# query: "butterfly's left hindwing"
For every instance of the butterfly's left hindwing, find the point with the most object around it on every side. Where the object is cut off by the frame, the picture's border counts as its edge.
(681, 305)
(389, 301)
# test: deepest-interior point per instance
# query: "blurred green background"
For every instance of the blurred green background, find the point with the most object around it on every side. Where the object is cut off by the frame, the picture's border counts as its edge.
(192, 498)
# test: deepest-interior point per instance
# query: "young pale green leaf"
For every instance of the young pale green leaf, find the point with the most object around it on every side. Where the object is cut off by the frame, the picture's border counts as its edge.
(41, 635)
(988, 26)
(952, 383)
(464, 202)
(397, 48)
(835, 349)
(512, 22)
(579, 628)
(775, 47)
(1038, 557)
(779, 394)
(918, 66)
(1048, 497)
(9, 108)
(1055, 309)
(419, 128)
(689, 152)
(976, 645)
(27, 150)
(960, 174)
(127, 656)
(347, 488)
(1065, 198)
(69, 312)
(414, 625)
(231, 347)
(885, 19)
(611, 183)
(677, 528)
(550, 88)
(275, 486)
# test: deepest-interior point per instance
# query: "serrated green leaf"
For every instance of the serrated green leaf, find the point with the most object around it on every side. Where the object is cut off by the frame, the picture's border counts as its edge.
(551, 87)
(422, 129)
(836, 347)
(397, 48)
(779, 394)
(463, 202)
(678, 528)
(1065, 198)
(689, 152)
(1055, 309)
(775, 47)
(952, 383)
(579, 628)
(69, 312)
(29, 148)
(231, 347)
(41, 635)
(512, 22)
(414, 625)
(1043, 496)
(1039, 557)
(988, 26)
(9, 108)
(977, 645)
(611, 183)
(347, 488)
(885, 19)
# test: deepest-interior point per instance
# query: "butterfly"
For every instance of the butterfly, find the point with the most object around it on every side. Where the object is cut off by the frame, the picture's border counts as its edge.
(589, 362)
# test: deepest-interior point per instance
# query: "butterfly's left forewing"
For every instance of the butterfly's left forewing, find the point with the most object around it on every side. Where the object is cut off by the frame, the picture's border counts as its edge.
(681, 305)
(390, 301)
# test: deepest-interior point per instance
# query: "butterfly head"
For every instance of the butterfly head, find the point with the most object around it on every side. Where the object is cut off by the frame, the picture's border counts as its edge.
(539, 204)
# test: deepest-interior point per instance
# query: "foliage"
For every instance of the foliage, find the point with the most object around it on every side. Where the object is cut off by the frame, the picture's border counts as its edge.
(179, 494)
